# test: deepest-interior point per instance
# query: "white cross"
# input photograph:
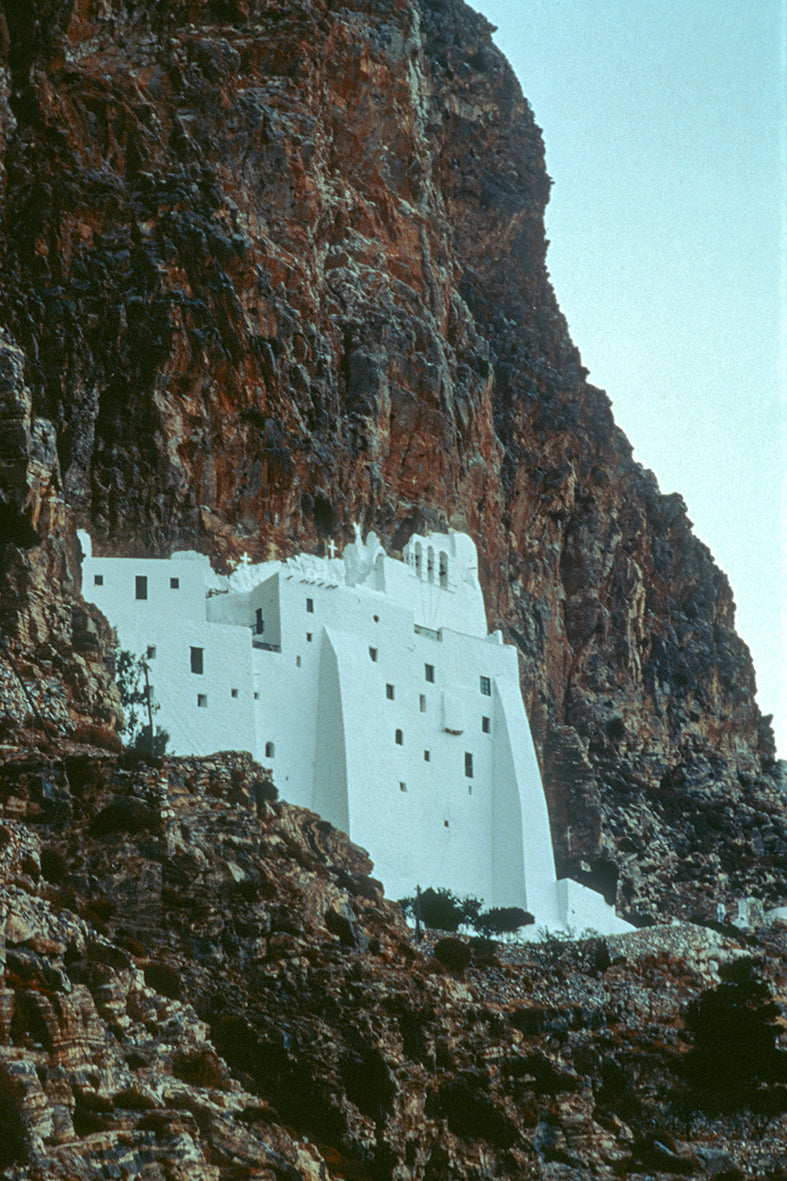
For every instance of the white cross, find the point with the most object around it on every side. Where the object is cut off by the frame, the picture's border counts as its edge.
(331, 550)
(245, 559)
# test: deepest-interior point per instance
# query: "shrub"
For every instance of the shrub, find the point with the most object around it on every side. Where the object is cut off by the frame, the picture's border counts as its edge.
(734, 1030)
(503, 920)
(130, 672)
(443, 910)
(142, 745)
(453, 953)
(264, 791)
(124, 814)
(200, 1067)
(54, 866)
(164, 979)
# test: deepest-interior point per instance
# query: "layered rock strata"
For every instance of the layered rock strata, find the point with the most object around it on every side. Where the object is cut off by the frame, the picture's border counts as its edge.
(276, 268)
(198, 983)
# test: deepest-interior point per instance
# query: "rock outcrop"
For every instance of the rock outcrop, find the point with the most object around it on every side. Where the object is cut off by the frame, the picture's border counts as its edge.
(197, 986)
(275, 268)
(62, 673)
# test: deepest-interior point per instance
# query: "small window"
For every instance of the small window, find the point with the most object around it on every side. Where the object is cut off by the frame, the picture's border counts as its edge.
(198, 660)
(399, 738)
(98, 580)
(202, 700)
(174, 584)
(310, 606)
(427, 756)
(373, 655)
(446, 824)
(422, 702)
(233, 692)
(308, 637)
(389, 692)
(468, 764)
(151, 652)
(429, 672)
(256, 696)
(402, 786)
(469, 789)
(486, 686)
(444, 571)
(486, 726)
(376, 618)
(270, 750)
(141, 583)
(297, 662)
(259, 622)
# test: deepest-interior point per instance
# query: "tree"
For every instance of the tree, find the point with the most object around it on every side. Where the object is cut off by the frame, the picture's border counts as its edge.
(130, 673)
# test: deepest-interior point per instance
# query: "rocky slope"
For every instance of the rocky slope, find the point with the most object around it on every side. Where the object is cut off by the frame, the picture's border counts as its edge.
(197, 986)
(271, 268)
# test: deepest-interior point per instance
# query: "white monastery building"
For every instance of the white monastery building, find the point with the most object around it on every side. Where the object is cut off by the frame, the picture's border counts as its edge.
(372, 690)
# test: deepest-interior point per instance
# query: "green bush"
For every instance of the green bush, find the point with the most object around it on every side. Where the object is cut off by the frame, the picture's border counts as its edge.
(130, 675)
(453, 953)
(200, 1067)
(442, 910)
(734, 1031)
(502, 920)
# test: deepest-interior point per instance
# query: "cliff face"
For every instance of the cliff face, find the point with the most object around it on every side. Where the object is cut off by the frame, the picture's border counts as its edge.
(195, 989)
(275, 268)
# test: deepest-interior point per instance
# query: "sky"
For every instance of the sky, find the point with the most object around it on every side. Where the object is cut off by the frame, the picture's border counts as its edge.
(664, 125)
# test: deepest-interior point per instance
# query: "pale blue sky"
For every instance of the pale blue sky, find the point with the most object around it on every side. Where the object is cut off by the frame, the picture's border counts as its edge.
(664, 124)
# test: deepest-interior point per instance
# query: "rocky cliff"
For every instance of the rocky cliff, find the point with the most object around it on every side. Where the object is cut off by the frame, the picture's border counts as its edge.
(195, 988)
(271, 268)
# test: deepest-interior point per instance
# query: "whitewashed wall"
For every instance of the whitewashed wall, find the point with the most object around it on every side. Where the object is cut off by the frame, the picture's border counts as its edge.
(202, 712)
(435, 774)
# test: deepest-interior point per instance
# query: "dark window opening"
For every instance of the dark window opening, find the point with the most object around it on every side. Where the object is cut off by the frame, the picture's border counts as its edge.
(399, 738)
(202, 700)
(310, 606)
(445, 824)
(98, 580)
(422, 702)
(233, 692)
(174, 584)
(297, 662)
(427, 756)
(486, 726)
(402, 786)
(468, 764)
(259, 622)
(486, 686)
(389, 692)
(373, 655)
(429, 672)
(151, 652)
(270, 750)
(141, 586)
(198, 660)
(308, 637)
